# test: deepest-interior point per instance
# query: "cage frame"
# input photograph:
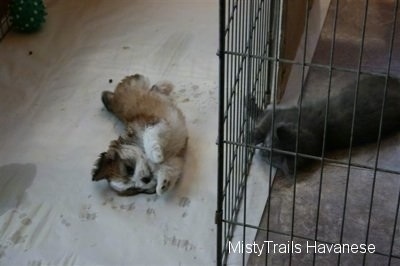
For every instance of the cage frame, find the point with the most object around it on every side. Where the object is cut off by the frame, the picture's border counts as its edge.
(274, 59)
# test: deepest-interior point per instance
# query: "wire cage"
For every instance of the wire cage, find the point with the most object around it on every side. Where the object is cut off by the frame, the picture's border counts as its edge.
(346, 197)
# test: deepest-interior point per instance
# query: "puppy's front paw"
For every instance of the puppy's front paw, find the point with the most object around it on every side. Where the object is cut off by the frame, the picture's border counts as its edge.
(156, 155)
(163, 186)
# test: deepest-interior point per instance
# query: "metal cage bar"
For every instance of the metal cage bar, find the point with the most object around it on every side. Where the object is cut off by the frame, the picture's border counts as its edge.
(250, 59)
(243, 28)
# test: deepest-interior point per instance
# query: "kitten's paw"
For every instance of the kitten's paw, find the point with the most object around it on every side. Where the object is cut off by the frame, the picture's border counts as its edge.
(257, 136)
(156, 154)
(163, 186)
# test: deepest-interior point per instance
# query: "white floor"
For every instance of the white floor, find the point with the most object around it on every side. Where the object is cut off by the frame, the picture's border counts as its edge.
(53, 127)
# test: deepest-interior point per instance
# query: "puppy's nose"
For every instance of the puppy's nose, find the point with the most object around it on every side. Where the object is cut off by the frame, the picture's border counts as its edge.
(146, 179)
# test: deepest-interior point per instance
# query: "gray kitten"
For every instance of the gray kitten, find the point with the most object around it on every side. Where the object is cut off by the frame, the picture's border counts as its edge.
(338, 132)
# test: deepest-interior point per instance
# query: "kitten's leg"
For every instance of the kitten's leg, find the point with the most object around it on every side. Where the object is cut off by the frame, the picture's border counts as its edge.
(154, 138)
(252, 108)
(262, 128)
(168, 174)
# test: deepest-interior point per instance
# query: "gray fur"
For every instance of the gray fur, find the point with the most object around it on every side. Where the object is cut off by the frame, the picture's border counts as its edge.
(311, 131)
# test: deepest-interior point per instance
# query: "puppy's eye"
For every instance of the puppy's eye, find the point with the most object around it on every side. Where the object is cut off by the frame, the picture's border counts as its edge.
(129, 170)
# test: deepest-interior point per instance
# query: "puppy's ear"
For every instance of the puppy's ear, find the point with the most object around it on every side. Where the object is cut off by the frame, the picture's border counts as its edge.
(101, 167)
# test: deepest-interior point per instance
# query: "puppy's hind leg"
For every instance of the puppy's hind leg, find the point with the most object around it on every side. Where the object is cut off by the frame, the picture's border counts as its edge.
(164, 87)
(114, 105)
(107, 98)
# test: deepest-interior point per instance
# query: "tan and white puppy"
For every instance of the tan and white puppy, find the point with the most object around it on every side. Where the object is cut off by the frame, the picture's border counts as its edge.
(150, 156)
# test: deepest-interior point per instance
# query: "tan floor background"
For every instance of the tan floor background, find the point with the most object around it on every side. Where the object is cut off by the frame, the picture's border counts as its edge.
(53, 127)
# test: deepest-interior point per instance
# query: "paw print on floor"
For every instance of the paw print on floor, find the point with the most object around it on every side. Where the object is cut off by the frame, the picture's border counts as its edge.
(184, 202)
(64, 221)
(183, 244)
(151, 212)
(200, 97)
(110, 201)
(127, 207)
(85, 214)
